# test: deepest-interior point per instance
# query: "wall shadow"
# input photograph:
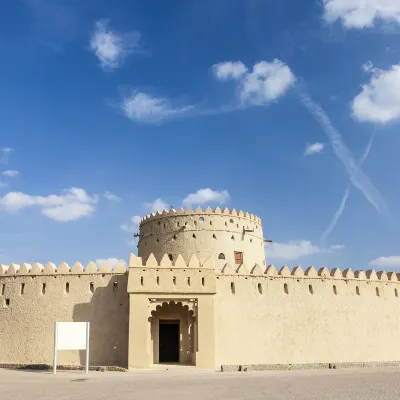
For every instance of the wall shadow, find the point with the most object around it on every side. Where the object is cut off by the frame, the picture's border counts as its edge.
(108, 314)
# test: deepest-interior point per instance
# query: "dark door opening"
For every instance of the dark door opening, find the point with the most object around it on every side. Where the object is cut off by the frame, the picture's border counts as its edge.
(168, 341)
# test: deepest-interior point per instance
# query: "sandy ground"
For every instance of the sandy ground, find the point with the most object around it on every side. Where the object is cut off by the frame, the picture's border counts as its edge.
(348, 384)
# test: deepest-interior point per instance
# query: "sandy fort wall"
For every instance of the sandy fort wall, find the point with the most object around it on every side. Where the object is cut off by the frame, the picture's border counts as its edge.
(204, 233)
(242, 315)
(306, 317)
(32, 298)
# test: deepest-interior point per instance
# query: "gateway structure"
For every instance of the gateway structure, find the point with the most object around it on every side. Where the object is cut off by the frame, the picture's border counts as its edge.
(199, 293)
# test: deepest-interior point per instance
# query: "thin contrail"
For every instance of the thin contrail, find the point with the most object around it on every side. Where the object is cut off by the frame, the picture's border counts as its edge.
(357, 176)
(346, 193)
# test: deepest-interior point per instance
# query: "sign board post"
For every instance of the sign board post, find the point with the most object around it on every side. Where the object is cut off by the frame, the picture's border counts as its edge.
(71, 336)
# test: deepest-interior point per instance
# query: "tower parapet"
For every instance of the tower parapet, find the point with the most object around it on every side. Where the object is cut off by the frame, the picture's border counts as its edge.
(230, 236)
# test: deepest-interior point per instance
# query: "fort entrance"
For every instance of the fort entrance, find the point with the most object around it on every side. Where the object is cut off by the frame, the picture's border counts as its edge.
(168, 341)
(172, 325)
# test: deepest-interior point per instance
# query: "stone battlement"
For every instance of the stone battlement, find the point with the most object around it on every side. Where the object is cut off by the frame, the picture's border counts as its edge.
(199, 211)
(195, 263)
(311, 272)
(151, 262)
(62, 269)
(161, 277)
(270, 271)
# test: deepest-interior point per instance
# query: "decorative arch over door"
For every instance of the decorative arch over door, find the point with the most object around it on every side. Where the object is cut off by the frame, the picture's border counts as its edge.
(173, 328)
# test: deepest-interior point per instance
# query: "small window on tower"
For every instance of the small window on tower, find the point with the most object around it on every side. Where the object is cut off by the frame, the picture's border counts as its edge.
(221, 256)
(238, 257)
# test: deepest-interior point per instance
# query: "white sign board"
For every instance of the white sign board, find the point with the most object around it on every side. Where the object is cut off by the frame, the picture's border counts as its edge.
(71, 336)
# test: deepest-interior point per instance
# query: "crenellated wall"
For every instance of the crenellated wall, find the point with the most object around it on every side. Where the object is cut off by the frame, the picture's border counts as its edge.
(229, 315)
(32, 298)
(164, 277)
(297, 317)
(204, 233)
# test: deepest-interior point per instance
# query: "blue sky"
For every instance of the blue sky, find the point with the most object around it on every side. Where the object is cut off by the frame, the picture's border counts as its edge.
(111, 110)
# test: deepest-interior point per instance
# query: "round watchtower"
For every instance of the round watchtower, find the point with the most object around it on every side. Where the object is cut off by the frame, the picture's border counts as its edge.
(230, 236)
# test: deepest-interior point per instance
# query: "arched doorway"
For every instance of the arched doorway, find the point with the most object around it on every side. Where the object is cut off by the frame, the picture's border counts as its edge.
(173, 333)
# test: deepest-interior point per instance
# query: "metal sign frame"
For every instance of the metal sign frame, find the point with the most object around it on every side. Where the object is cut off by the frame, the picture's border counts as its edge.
(76, 347)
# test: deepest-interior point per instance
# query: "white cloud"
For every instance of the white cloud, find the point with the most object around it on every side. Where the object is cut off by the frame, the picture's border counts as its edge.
(68, 212)
(71, 205)
(203, 196)
(142, 107)
(314, 148)
(293, 250)
(359, 14)
(229, 70)
(11, 173)
(133, 225)
(112, 48)
(267, 82)
(156, 205)
(386, 262)
(111, 196)
(379, 100)
(337, 247)
(368, 67)
(112, 261)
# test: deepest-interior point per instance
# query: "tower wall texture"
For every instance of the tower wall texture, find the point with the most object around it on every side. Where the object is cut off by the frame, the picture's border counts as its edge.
(204, 234)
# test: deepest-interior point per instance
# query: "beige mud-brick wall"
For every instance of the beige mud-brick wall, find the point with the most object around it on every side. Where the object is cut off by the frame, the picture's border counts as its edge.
(31, 300)
(203, 233)
(297, 319)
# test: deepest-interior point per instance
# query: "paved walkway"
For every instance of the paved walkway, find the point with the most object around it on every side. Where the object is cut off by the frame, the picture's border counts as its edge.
(360, 384)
